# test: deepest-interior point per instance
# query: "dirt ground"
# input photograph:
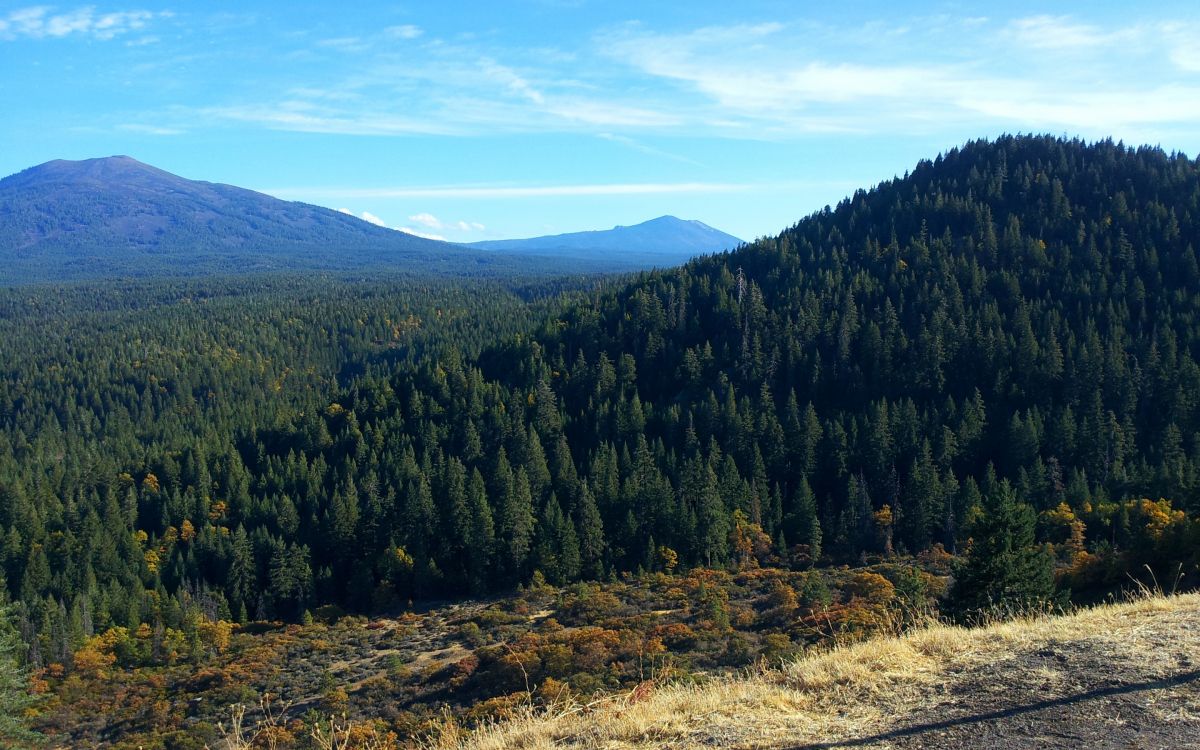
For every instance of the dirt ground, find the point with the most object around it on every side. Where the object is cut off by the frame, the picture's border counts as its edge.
(1066, 694)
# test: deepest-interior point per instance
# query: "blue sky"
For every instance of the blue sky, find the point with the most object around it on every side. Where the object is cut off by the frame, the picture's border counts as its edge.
(474, 121)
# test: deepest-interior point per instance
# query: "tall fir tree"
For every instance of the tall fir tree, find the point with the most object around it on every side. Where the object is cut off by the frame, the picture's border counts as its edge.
(1004, 570)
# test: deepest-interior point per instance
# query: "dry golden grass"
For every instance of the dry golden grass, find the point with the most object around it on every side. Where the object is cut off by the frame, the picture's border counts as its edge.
(858, 689)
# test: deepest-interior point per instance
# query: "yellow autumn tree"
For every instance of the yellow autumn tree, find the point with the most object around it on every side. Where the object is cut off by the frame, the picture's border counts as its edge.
(98, 653)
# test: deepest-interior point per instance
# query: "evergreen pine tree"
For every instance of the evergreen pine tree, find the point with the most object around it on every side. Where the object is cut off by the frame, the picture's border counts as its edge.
(480, 535)
(515, 526)
(801, 525)
(1004, 570)
(14, 688)
(591, 534)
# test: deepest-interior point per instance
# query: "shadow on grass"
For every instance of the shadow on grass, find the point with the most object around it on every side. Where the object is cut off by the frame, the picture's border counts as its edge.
(919, 729)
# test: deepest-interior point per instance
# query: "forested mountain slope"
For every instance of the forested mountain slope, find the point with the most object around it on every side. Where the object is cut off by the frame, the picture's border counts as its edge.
(115, 216)
(1027, 304)
(1016, 320)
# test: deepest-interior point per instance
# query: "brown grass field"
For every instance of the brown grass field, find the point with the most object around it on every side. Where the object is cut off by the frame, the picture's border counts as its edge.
(1113, 676)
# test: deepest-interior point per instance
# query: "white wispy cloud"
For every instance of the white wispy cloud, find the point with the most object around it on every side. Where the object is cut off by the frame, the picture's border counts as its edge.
(512, 191)
(434, 86)
(772, 80)
(307, 117)
(644, 149)
(608, 113)
(1183, 41)
(1063, 32)
(366, 216)
(426, 220)
(143, 129)
(345, 44)
(768, 75)
(419, 233)
(636, 84)
(1187, 58)
(41, 22)
(511, 80)
(405, 31)
(1082, 111)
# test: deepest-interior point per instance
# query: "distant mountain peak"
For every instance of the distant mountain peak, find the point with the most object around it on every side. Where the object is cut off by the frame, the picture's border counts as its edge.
(666, 238)
(115, 169)
(115, 215)
(118, 162)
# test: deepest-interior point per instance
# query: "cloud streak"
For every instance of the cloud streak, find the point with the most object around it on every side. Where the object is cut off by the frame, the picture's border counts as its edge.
(644, 149)
(40, 22)
(634, 84)
(511, 191)
(141, 129)
(307, 117)
(426, 220)
(419, 233)
(405, 31)
(1063, 73)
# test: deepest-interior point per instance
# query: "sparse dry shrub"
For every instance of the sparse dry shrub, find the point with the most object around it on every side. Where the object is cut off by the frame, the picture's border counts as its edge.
(335, 700)
(472, 634)
(552, 691)
(275, 737)
(343, 734)
(498, 708)
(556, 659)
(936, 559)
(705, 577)
(755, 576)
(776, 647)
(588, 603)
(781, 602)
(207, 678)
(676, 635)
(844, 622)
(463, 669)
(591, 647)
(871, 587)
(741, 617)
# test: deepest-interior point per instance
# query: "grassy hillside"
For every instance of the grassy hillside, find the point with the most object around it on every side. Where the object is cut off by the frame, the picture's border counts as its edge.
(1119, 674)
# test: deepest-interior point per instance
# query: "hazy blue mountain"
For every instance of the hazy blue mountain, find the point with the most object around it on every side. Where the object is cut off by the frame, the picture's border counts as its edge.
(664, 240)
(116, 216)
